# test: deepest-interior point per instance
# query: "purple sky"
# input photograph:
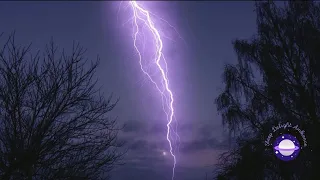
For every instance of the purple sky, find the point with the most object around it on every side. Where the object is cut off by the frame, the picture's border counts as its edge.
(194, 69)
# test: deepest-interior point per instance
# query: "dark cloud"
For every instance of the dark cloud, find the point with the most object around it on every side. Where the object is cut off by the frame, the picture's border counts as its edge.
(144, 168)
(206, 131)
(143, 145)
(140, 144)
(201, 144)
(136, 172)
(140, 127)
(134, 126)
(158, 128)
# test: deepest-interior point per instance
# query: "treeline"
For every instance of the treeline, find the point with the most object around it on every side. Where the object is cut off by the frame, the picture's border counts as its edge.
(275, 80)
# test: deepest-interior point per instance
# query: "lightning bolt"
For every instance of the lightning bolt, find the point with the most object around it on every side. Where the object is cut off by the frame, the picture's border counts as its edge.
(142, 15)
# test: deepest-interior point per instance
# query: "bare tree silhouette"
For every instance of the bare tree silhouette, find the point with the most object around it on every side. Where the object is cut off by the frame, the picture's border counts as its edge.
(276, 79)
(53, 122)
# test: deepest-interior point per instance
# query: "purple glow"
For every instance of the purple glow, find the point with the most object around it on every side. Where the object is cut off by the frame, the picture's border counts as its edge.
(142, 15)
(291, 149)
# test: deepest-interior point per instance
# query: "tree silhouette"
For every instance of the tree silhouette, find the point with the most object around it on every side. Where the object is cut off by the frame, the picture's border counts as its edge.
(53, 122)
(275, 80)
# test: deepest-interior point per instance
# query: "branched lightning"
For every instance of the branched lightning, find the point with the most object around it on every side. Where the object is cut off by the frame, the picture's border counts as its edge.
(142, 15)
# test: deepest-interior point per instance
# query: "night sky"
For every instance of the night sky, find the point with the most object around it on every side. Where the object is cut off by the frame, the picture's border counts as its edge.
(195, 67)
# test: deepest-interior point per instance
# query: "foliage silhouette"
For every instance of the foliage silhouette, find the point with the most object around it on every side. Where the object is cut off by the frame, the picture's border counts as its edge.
(275, 80)
(53, 122)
